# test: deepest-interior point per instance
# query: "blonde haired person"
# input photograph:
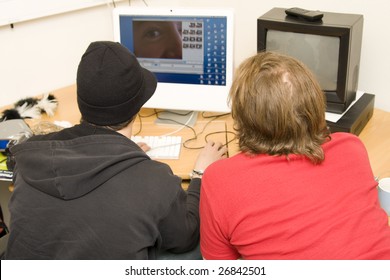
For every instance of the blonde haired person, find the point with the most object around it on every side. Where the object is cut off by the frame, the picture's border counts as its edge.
(295, 191)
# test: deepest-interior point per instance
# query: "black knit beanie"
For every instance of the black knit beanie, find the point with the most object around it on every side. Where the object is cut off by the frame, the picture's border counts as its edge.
(111, 85)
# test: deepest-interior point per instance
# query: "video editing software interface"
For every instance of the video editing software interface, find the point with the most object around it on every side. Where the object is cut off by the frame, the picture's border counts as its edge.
(187, 50)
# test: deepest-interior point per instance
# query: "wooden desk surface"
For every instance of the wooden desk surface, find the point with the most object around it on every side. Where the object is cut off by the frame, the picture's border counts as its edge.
(375, 136)
(68, 111)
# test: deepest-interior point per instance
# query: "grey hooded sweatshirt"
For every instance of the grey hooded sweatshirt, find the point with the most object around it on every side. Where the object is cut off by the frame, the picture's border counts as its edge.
(90, 193)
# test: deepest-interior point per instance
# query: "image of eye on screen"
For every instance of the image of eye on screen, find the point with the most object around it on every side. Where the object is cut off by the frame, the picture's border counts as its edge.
(158, 39)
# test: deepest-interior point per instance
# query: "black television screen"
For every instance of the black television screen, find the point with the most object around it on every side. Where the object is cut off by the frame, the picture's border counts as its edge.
(319, 53)
(330, 48)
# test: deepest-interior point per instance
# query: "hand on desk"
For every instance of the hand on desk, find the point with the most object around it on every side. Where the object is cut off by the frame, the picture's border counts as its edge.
(209, 154)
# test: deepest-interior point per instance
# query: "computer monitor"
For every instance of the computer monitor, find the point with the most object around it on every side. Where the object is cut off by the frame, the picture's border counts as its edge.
(329, 47)
(190, 51)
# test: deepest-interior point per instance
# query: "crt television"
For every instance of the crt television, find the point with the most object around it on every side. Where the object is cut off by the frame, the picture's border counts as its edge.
(189, 51)
(329, 47)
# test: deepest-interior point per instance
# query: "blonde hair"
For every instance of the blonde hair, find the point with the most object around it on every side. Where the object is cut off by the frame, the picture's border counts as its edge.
(278, 107)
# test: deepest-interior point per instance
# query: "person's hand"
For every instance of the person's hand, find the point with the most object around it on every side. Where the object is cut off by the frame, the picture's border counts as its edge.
(145, 147)
(209, 154)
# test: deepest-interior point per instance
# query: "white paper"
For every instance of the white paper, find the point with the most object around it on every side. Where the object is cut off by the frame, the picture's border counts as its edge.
(333, 117)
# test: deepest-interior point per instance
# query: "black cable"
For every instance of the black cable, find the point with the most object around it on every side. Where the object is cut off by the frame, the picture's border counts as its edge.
(222, 131)
(196, 136)
(147, 116)
(186, 142)
(140, 125)
(177, 122)
(214, 116)
(185, 113)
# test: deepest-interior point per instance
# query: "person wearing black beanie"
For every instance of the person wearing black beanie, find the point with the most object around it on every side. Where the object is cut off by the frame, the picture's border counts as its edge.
(89, 191)
(111, 84)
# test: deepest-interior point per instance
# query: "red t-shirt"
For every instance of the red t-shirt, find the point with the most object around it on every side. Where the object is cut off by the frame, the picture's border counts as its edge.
(270, 207)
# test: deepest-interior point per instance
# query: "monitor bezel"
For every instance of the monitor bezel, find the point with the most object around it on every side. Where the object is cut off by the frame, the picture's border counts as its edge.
(187, 97)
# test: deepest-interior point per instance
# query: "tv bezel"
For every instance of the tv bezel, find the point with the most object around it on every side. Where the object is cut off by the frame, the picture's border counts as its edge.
(347, 27)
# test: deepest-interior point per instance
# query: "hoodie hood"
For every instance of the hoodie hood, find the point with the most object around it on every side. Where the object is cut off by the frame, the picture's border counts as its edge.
(68, 169)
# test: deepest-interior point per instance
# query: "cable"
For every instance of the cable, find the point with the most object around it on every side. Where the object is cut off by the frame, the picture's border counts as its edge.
(226, 138)
(140, 125)
(175, 121)
(147, 116)
(183, 126)
(196, 136)
(214, 116)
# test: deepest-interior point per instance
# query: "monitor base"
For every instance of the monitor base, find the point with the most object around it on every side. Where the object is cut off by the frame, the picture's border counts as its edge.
(177, 117)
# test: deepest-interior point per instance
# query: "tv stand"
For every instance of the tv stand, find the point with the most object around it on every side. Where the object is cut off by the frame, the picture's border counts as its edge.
(356, 118)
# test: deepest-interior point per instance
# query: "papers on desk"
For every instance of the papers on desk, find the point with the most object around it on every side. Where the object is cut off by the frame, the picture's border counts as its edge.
(5, 174)
(333, 117)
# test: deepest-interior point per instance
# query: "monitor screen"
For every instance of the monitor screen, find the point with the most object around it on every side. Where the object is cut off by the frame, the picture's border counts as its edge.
(189, 51)
(320, 53)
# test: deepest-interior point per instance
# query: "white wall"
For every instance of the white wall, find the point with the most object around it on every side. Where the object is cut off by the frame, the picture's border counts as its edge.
(41, 55)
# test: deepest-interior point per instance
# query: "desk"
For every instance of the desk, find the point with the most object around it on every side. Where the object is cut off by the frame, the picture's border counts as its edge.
(183, 166)
(68, 111)
(375, 136)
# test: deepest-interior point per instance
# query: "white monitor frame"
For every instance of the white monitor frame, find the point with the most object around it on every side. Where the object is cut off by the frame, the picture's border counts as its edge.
(188, 97)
